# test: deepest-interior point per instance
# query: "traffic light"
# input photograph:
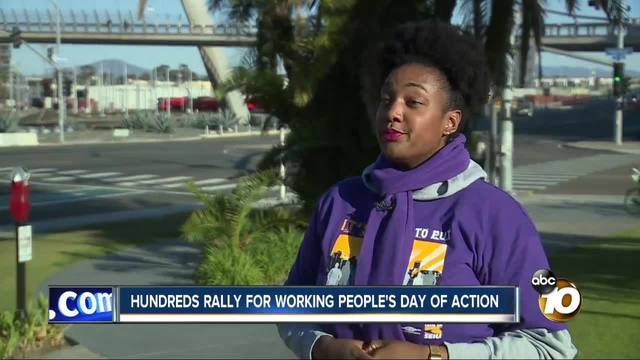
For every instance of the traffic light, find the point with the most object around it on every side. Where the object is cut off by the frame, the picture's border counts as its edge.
(16, 37)
(618, 77)
(66, 88)
(50, 53)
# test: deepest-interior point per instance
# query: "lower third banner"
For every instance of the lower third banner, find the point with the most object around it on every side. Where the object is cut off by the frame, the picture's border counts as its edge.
(317, 304)
(263, 304)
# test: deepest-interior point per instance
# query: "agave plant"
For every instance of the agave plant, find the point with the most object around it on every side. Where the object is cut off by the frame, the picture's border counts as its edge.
(225, 119)
(161, 123)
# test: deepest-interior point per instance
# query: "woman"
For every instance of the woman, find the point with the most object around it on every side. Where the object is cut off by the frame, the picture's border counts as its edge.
(424, 209)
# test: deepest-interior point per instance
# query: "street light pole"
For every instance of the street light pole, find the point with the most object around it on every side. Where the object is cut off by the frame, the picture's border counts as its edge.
(506, 130)
(61, 105)
(617, 122)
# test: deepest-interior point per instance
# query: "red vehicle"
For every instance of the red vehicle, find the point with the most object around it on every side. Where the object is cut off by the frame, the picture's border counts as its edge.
(176, 103)
(206, 103)
(254, 105)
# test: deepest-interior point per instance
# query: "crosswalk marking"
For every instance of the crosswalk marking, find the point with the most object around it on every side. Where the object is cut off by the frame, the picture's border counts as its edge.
(42, 170)
(131, 178)
(113, 178)
(199, 182)
(59, 178)
(209, 181)
(219, 187)
(520, 184)
(543, 176)
(165, 180)
(99, 175)
(72, 172)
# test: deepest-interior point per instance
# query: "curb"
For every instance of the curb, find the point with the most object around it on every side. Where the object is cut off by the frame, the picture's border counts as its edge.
(143, 141)
(609, 148)
(72, 352)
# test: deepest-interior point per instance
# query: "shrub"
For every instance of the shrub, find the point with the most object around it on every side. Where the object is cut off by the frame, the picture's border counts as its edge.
(28, 335)
(243, 245)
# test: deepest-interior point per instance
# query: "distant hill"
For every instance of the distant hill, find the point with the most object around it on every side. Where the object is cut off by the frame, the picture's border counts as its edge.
(116, 66)
(572, 71)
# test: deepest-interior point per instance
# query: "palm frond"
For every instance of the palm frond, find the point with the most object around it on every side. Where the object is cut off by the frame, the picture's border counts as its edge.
(475, 16)
(572, 6)
(497, 40)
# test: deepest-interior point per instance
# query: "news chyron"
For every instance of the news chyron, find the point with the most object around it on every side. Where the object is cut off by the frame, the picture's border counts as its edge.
(81, 304)
(559, 299)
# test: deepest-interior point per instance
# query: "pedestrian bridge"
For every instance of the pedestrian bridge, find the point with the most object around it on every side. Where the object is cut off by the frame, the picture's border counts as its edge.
(80, 27)
(589, 36)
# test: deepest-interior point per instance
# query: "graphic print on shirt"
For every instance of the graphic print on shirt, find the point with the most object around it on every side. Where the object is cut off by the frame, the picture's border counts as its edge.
(425, 264)
(342, 267)
(425, 267)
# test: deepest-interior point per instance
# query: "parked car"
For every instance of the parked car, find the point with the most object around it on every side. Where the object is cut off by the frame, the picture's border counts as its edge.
(176, 103)
(206, 103)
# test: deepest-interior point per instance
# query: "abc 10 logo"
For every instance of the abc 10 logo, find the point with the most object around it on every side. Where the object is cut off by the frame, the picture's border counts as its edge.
(559, 299)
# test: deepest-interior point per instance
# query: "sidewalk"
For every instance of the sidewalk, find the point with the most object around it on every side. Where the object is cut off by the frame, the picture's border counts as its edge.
(90, 137)
(167, 263)
(563, 221)
(628, 147)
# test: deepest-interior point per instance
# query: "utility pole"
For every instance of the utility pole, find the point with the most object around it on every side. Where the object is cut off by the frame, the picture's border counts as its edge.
(124, 91)
(169, 98)
(10, 72)
(74, 88)
(493, 149)
(617, 122)
(102, 97)
(61, 103)
(506, 129)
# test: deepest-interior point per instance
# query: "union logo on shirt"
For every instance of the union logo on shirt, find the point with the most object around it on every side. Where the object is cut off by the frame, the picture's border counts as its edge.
(433, 331)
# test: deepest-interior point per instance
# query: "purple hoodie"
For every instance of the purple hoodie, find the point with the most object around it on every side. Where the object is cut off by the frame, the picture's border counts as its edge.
(437, 224)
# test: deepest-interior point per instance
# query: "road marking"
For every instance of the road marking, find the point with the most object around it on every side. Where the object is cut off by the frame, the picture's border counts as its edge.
(73, 172)
(42, 170)
(219, 187)
(129, 178)
(99, 175)
(60, 178)
(78, 199)
(199, 182)
(530, 187)
(546, 173)
(544, 176)
(533, 182)
(163, 180)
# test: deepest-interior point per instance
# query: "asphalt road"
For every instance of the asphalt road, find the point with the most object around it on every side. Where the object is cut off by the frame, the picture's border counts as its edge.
(106, 178)
(91, 179)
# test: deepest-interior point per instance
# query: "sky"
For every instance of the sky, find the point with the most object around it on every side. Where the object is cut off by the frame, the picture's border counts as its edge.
(158, 10)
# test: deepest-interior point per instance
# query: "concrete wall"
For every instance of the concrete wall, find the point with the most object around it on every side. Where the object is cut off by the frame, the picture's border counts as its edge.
(143, 96)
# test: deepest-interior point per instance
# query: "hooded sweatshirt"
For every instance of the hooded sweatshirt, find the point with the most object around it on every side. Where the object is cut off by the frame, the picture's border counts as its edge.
(437, 224)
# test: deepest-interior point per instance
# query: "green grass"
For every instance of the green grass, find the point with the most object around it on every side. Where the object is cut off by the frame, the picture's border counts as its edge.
(54, 251)
(606, 272)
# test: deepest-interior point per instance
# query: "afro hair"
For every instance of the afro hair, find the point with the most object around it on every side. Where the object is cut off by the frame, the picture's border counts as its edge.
(456, 54)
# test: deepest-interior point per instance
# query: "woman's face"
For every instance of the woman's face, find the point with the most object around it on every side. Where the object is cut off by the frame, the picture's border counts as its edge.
(413, 120)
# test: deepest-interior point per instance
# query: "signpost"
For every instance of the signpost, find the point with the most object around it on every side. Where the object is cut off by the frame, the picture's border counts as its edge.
(19, 208)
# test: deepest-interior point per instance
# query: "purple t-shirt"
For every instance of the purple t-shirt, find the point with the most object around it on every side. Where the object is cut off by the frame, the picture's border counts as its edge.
(477, 236)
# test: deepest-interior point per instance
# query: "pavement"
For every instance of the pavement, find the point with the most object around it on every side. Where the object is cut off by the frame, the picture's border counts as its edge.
(627, 147)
